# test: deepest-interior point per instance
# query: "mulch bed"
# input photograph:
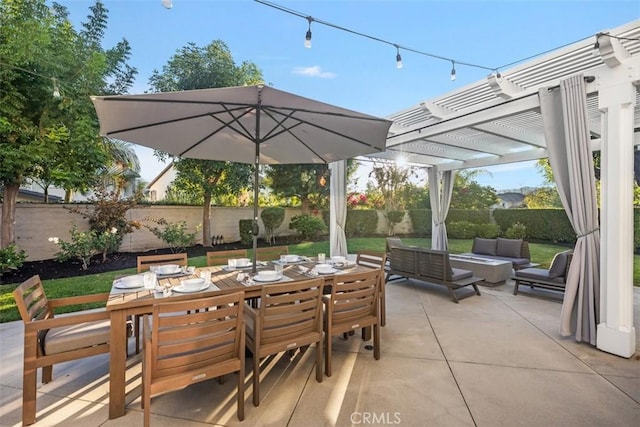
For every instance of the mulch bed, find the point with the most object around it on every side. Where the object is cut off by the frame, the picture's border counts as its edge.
(52, 269)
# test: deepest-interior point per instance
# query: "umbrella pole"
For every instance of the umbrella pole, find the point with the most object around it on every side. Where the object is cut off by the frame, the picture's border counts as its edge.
(254, 228)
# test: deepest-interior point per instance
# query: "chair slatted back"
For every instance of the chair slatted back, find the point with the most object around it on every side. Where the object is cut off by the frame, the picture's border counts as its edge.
(221, 257)
(434, 263)
(32, 301)
(354, 296)
(271, 253)
(391, 242)
(371, 259)
(194, 334)
(404, 259)
(146, 261)
(289, 311)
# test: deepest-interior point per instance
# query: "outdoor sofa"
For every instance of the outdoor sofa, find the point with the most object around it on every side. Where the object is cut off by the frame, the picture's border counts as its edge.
(431, 266)
(554, 278)
(514, 250)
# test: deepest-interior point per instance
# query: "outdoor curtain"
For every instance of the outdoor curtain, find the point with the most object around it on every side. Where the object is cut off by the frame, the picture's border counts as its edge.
(337, 209)
(564, 116)
(440, 190)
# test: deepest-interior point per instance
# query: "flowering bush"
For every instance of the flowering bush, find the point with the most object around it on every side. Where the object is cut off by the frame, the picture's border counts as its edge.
(11, 258)
(85, 244)
(356, 199)
(175, 235)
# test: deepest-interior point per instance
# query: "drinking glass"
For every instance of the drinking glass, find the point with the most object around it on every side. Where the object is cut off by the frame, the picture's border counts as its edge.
(206, 275)
(149, 280)
(231, 264)
(321, 258)
(278, 267)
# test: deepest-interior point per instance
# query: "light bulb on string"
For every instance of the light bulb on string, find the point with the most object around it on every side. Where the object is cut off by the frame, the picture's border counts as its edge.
(399, 64)
(307, 37)
(167, 4)
(453, 71)
(596, 46)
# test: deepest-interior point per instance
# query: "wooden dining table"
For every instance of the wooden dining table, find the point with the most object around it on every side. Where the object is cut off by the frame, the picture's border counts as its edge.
(124, 303)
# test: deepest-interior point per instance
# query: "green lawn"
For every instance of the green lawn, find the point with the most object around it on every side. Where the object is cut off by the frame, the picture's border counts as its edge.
(101, 282)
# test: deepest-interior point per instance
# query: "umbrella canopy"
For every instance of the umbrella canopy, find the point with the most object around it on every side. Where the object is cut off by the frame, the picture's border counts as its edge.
(247, 124)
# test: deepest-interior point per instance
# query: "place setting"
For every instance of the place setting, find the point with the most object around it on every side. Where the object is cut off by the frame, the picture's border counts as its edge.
(170, 270)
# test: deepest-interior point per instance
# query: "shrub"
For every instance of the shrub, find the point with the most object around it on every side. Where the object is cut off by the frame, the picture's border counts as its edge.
(516, 231)
(420, 221)
(272, 218)
(461, 230)
(245, 226)
(175, 235)
(11, 258)
(393, 218)
(309, 227)
(82, 246)
(109, 213)
(487, 231)
(361, 222)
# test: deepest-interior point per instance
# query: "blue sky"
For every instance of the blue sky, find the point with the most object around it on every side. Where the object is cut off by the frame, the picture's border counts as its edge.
(355, 72)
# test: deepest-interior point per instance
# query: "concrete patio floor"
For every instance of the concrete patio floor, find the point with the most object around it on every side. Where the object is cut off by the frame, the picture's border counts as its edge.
(491, 360)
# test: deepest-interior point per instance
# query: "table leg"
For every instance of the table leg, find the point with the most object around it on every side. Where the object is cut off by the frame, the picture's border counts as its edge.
(117, 364)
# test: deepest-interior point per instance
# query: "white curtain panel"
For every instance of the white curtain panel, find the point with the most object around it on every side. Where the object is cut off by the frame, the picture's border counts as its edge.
(440, 191)
(338, 208)
(564, 116)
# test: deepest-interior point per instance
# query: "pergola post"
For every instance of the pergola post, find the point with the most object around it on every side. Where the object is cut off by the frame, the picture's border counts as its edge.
(616, 101)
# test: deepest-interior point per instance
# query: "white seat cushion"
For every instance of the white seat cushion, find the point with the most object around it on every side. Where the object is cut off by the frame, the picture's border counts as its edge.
(66, 338)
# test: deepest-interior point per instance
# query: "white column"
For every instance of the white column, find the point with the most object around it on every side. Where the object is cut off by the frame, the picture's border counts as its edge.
(616, 333)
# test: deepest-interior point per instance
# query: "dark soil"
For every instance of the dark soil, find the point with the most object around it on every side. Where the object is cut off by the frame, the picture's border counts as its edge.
(52, 269)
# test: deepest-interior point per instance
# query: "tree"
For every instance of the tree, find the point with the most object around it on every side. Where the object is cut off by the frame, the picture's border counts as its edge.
(543, 198)
(468, 194)
(307, 182)
(194, 67)
(207, 179)
(48, 127)
(391, 179)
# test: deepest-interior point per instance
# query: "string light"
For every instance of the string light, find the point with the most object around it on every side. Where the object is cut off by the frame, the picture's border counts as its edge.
(398, 58)
(167, 4)
(307, 37)
(453, 70)
(596, 45)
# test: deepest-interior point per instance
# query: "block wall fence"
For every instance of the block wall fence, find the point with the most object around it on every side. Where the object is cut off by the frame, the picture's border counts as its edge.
(35, 223)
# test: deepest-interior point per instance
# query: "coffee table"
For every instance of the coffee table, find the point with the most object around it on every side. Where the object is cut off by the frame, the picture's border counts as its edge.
(493, 271)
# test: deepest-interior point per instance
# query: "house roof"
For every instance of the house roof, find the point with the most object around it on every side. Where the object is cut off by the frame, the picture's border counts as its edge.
(497, 120)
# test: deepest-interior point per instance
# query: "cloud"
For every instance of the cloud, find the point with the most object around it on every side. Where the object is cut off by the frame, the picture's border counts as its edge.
(314, 71)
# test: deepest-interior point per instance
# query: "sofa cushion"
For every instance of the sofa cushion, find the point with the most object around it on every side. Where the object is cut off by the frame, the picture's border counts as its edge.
(508, 247)
(484, 246)
(459, 273)
(73, 337)
(559, 264)
(538, 274)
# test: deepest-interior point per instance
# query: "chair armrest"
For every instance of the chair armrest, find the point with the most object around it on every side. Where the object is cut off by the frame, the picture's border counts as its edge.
(81, 299)
(67, 320)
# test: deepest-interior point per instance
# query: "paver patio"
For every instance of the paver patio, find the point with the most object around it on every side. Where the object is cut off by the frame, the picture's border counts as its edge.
(491, 360)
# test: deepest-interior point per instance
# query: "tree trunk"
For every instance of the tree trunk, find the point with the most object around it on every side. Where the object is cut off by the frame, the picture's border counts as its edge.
(8, 228)
(45, 194)
(304, 205)
(67, 196)
(206, 223)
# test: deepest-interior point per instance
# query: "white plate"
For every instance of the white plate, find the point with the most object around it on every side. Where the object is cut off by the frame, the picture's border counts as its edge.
(292, 258)
(226, 268)
(166, 270)
(182, 290)
(333, 270)
(257, 278)
(129, 282)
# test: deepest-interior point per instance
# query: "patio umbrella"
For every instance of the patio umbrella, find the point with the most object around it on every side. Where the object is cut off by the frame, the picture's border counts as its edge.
(247, 124)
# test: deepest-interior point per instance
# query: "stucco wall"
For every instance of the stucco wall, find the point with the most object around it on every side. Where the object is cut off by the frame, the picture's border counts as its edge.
(35, 223)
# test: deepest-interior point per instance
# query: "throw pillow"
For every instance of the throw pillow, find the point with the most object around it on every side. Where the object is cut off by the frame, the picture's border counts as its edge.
(559, 264)
(484, 246)
(508, 247)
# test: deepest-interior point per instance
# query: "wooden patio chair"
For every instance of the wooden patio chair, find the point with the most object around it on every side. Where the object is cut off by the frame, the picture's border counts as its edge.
(289, 317)
(221, 257)
(271, 253)
(377, 260)
(146, 261)
(186, 342)
(353, 304)
(49, 340)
